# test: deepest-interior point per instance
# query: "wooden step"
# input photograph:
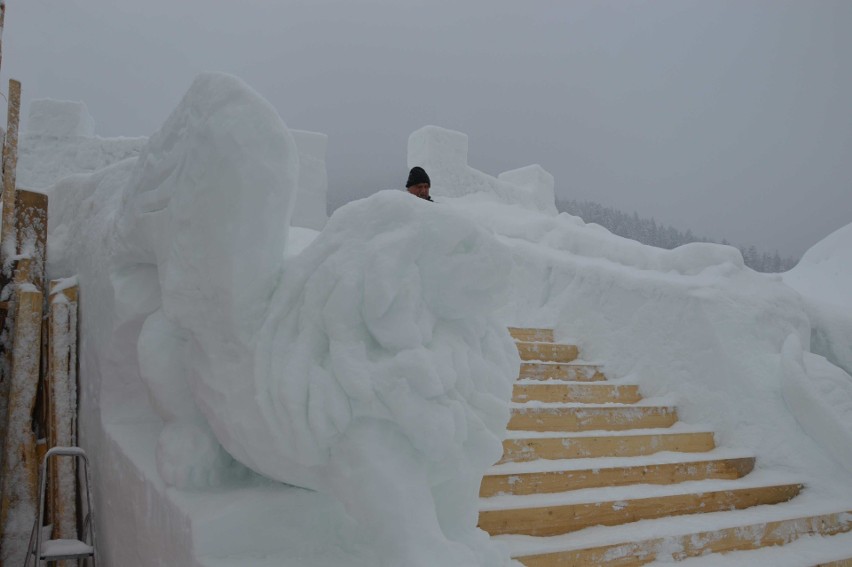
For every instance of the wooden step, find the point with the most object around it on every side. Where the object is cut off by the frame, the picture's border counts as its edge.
(591, 417)
(556, 371)
(547, 352)
(625, 445)
(531, 335)
(559, 519)
(679, 547)
(658, 473)
(576, 392)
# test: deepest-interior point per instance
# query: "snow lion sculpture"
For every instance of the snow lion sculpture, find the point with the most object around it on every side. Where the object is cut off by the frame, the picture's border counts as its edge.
(367, 366)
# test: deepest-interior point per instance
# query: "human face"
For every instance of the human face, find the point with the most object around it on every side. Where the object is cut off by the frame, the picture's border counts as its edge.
(420, 190)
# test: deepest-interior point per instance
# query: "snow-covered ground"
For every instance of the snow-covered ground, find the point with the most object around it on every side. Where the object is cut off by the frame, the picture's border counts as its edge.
(257, 392)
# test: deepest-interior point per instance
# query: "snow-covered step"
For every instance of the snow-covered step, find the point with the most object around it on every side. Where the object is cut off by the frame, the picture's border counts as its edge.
(547, 352)
(585, 417)
(569, 391)
(809, 550)
(702, 536)
(523, 446)
(579, 372)
(552, 514)
(538, 477)
(531, 335)
(838, 563)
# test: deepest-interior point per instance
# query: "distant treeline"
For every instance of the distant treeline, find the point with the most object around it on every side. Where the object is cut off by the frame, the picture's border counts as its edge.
(649, 232)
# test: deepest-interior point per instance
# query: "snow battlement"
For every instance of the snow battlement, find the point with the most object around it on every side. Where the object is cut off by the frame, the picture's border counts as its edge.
(443, 154)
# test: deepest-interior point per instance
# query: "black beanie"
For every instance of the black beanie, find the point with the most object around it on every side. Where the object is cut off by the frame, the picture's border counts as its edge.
(417, 176)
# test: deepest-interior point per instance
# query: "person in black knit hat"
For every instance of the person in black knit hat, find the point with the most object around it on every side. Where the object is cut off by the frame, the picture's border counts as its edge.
(418, 183)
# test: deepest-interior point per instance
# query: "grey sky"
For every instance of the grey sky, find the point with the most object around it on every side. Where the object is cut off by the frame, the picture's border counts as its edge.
(731, 118)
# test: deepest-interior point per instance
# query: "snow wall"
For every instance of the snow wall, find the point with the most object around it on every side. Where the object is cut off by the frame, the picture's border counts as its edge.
(370, 361)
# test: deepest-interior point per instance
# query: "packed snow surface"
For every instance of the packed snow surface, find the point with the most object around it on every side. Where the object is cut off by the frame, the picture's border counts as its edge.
(259, 393)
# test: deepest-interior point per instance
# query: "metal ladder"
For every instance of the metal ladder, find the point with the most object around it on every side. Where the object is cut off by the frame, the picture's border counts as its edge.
(59, 549)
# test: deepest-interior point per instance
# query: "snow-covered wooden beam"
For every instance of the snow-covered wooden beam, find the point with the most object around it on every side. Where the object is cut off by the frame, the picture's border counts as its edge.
(20, 461)
(62, 404)
(31, 233)
(10, 161)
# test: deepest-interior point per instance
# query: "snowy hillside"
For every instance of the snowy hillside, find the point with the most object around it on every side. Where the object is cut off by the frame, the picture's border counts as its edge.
(257, 394)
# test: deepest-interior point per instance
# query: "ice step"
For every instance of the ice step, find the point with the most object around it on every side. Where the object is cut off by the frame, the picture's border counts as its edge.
(578, 392)
(527, 334)
(523, 446)
(580, 372)
(586, 417)
(684, 537)
(551, 514)
(524, 478)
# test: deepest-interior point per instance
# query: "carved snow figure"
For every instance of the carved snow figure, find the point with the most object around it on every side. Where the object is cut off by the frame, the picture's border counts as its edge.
(367, 366)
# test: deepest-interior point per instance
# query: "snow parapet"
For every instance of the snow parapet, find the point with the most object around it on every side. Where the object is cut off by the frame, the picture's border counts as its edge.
(367, 367)
(819, 395)
(443, 154)
(824, 279)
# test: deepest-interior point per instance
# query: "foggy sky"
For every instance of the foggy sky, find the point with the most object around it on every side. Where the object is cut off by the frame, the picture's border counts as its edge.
(730, 118)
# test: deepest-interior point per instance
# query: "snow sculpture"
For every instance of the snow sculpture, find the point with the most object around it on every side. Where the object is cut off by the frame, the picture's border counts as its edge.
(443, 154)
(368, 366)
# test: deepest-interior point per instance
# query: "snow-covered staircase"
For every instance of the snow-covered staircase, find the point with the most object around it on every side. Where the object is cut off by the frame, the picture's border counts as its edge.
(582, 454)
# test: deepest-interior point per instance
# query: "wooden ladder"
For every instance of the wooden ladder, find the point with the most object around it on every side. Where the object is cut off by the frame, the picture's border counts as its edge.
(581, 452)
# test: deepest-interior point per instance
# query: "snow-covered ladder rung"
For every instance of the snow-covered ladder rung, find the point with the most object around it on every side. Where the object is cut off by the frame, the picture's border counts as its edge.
(58, 549)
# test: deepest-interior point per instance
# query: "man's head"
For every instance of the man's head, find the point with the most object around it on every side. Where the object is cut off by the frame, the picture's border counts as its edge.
(418, 183)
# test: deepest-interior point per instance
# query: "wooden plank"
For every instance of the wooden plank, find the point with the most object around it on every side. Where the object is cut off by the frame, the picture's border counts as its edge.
(840, 563)
(62, 388)
(588, 393)
(532, 448)
(739, 538)
(664, 473)
(547, 352)
(10, 162)
(20, 464)
(561, 519)
(31, 232)
(531, 335)
(612, 418)
(572, 372)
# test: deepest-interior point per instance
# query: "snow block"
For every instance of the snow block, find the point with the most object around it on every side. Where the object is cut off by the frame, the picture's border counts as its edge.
(535, 181)
(311, 197)
(443, 154)
(60, 119)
